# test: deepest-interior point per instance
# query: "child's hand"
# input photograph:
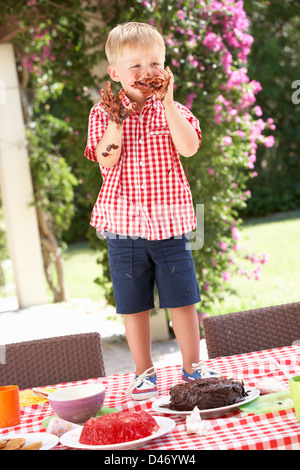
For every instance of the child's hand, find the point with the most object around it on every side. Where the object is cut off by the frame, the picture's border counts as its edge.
(165, 92)
(113, 105)
(161, 86)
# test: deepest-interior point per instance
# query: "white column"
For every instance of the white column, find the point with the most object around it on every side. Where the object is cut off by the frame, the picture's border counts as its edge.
(16, 189)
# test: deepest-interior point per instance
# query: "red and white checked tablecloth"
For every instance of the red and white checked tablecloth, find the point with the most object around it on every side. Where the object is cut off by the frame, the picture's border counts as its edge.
(236, 430)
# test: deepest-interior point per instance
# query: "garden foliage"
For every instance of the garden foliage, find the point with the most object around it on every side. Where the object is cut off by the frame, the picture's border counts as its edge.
(208, 45)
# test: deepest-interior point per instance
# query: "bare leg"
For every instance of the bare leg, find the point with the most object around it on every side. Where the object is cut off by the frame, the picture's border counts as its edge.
(138, 334)
(186, 329)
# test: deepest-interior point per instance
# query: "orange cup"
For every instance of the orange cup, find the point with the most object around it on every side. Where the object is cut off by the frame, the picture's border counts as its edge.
(9, 406)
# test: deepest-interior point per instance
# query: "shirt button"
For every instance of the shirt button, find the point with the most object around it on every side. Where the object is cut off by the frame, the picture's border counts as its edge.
(141, 163)
(142, 186)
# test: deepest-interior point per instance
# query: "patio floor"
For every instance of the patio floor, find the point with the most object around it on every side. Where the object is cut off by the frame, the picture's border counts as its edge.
(80, 316)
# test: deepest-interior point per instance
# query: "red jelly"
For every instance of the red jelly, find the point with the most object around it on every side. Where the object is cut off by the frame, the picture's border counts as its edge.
(117, 427)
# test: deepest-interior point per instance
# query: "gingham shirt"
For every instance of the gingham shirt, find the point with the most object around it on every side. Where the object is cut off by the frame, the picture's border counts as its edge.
(146, 194)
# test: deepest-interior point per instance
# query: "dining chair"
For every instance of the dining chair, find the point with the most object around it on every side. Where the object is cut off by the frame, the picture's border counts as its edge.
(252, 330)
(50, 361)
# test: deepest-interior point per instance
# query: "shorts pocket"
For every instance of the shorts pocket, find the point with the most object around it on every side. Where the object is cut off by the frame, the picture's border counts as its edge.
(120, 258)
(178, 258)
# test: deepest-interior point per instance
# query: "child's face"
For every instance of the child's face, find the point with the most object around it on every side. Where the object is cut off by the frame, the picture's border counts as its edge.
(133, 62)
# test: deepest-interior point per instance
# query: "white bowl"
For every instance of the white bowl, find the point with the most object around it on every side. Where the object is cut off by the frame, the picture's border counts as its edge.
(79, 403)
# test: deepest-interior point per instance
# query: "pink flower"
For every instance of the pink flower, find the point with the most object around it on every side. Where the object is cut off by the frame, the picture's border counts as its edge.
(235, 233)
(190, 99)
(257, 110)
(28, 64)
(212, 42)
(256, 86)
(269, 141)
(264, 258)
(210, 171)
(227, 140)
(226, 276)
(257, 273)
(241, 133)
(181, 14)
(223, 245)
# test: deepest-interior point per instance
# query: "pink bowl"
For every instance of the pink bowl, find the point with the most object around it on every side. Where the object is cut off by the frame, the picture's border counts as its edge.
(79, 403)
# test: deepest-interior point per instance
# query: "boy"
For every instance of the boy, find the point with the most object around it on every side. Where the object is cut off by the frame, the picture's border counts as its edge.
(144, 208)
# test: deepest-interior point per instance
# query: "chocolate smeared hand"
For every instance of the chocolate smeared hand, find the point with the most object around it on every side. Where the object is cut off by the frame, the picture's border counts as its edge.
(114, 106)
(150, 84)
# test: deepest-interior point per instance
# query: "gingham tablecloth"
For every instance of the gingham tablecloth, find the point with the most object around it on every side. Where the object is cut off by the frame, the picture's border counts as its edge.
(236, 430)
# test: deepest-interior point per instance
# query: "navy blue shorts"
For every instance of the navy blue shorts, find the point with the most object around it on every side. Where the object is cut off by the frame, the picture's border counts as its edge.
(137, 265)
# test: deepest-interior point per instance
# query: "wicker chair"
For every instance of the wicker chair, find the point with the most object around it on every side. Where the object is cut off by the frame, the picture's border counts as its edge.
(51, 361)
(252, 330)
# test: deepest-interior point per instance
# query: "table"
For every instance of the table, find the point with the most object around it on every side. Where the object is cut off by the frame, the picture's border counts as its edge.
(234, 431)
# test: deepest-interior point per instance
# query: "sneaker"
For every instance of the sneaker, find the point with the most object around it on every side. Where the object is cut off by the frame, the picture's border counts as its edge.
(144, 386)
(201, 372)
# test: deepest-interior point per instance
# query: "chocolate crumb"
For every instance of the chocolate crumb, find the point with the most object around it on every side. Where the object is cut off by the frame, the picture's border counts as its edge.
(105, 154)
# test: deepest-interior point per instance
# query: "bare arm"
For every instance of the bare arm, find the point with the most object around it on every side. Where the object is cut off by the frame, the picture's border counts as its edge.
(184, 135)
(108, 150)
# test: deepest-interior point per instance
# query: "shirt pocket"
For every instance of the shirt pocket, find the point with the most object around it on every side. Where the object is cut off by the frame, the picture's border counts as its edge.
(162, 131)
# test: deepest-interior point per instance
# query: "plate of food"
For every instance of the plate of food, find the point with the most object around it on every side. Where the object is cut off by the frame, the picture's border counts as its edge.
(73, 438)
(214, 396)
(28, 441)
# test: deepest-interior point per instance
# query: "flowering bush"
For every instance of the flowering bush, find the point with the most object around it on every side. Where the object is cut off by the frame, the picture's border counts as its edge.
(54, 60)
(208, 44)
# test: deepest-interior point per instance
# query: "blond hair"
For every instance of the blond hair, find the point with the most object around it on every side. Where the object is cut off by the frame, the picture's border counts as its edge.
(132, 34)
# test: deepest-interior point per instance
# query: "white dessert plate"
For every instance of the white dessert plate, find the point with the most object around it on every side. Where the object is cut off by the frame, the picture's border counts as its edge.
(71, 438)
(161, 403)
(49, 440)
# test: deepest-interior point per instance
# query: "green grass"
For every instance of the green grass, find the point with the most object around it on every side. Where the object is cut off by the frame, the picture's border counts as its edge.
(277, 236)
(80, 270)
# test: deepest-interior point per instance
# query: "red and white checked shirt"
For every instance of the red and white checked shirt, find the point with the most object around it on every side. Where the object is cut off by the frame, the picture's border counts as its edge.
(146, 194)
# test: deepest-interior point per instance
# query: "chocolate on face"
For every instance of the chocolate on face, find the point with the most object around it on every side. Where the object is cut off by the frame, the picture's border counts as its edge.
(147, 83)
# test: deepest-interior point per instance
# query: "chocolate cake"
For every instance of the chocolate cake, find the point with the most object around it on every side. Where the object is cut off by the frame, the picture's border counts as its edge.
(207, 393)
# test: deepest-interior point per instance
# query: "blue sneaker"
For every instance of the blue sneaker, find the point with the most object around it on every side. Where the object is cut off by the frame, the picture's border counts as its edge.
(144, 386)
(201, 372)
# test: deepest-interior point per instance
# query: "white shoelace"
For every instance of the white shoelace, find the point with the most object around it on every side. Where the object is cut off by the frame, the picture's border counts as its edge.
(140, 379)
(198, 365)
(201, 366)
